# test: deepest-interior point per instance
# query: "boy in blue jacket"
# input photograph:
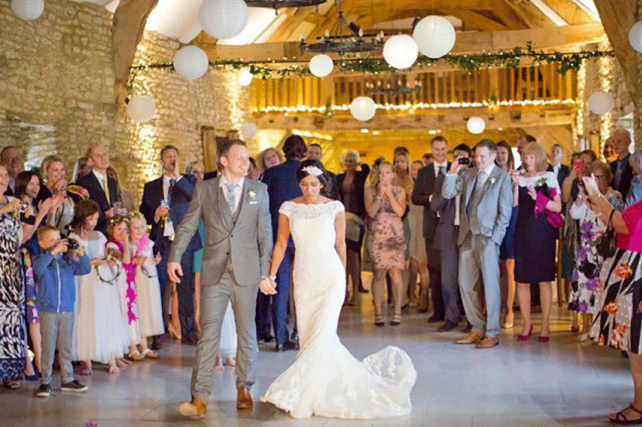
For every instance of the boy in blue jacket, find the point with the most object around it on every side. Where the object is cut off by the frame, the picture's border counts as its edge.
(55, 269)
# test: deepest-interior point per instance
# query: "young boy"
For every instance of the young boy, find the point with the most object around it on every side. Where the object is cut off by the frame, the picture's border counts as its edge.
(55, 270)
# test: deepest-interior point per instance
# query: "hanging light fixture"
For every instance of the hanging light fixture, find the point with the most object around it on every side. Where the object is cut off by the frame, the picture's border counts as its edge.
(278, 4)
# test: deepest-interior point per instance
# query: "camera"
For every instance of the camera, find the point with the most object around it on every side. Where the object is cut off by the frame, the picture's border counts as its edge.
(24, 206)
(72, 244)
(463, 161)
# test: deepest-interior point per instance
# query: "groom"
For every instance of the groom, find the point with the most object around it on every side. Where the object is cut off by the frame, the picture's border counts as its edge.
(485, 211)
(236, 260)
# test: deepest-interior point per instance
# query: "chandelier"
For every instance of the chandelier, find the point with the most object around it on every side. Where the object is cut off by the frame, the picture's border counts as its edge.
(348, 38)
(278, 4)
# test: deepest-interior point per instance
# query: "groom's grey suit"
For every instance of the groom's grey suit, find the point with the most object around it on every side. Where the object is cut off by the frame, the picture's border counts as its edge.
(236, 256)
(484, 215)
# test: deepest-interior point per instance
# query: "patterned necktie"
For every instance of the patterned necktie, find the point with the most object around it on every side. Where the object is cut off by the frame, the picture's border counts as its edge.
(231, 196)
(442, 170)
(172, 183)
(480, 180)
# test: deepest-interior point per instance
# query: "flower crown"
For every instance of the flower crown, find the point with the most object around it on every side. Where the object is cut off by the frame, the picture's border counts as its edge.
(312, 170)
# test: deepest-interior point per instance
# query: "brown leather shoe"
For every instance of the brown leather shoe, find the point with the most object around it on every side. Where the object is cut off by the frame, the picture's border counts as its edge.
(195, 409)
(471, 338)
(488, 342)
(243, 398)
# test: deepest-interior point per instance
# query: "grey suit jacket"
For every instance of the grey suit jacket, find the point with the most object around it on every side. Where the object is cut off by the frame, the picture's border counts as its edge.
(243, 241)
(445, 231)
(495, 207)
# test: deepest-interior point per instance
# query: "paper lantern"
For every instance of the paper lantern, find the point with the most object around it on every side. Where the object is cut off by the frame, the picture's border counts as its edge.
(601, 102)
(141, 108)
(28, 10)
(635, 36)
(191, 62)
(223, 19)
(363, 108)
(321, 65)
(245, 77)
(435, 36)
(249, 130)
(476, 125)
(400, 51)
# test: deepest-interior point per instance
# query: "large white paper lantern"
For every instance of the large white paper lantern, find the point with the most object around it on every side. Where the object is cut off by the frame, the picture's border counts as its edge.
(400, 51)
(223, 19)
(28, 10)
(435, 36)
(601, 102)
(476, 125)
(635, 36)
(141, 108)
(249, 130)
(321, 65)
(191, 62)
(363, 108)
(245, 76)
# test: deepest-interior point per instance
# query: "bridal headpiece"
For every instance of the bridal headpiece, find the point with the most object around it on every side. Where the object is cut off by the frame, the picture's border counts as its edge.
(312, 170)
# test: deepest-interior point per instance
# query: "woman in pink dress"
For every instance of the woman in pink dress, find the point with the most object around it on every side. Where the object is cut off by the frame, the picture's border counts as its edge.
(618, 306)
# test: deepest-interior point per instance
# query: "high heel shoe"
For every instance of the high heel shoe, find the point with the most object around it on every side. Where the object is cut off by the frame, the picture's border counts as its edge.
(173, 333)
(523, 338)
(379, 321)
(396, 320)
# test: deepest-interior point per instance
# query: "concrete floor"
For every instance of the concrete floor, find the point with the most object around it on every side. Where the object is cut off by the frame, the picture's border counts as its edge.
(563, 383)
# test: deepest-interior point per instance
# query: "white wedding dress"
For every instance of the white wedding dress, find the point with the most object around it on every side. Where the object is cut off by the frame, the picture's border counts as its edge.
(325, 379)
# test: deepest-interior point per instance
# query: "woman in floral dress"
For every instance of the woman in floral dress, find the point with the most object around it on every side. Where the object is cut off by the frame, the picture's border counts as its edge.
(588, 262)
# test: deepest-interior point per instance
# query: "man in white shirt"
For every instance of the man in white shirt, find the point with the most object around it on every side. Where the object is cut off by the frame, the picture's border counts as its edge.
(13, 157)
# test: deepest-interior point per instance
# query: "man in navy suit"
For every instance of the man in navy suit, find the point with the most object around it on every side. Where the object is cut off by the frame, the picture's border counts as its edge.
(621, 168)
(101, 188)
(561, 171)
(282, 186)
(165, 203)
(315, 152)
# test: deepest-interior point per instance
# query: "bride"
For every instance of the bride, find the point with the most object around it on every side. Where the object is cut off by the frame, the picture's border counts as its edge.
(325, 379)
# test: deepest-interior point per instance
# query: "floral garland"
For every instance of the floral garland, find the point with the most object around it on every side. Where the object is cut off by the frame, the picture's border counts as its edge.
(567, 61)
(113, 279)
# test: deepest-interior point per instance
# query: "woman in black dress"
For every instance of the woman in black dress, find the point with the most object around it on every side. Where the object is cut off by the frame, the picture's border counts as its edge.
(535, 234)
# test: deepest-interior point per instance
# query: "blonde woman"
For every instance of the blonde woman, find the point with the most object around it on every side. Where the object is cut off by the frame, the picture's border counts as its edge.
(386, 204)
(268, 158)
(418, 256)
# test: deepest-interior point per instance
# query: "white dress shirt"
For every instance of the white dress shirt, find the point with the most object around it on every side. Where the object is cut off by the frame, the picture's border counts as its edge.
(238, 191)
(168, 231)
(439, 165)
(101, 179)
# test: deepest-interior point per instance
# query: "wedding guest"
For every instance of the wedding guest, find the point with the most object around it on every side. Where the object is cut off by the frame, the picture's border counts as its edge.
(421, 195)
(55, 270)
(588, 262)
(446, 235)
(198, 170)
(351, 184)
(427, 159)
(268, 158)
(506, 162)
(635, 192)
(124, 197)
(386, 204)
(621, 168)
(561, 171)
(418, 258)
(608, 152)
(164, 204)
(101, 188)
(82, 168)
(403, 178)
(55, 185)
(282, 186)
(14, 160)
(254, 173)
(535, 235)
(522, 141)
(617, 314)
(315, 152)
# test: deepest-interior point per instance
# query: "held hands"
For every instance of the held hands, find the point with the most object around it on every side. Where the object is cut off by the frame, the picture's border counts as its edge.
(174, 271)
(268, 286)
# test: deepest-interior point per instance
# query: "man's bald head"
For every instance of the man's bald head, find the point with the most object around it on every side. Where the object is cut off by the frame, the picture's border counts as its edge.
(621, 139)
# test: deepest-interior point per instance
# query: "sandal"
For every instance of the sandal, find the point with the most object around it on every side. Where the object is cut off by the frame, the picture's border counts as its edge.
(379, 320)
(12, 385)
(149, 354)
(396, 320)
(135, 356)
(621, 419)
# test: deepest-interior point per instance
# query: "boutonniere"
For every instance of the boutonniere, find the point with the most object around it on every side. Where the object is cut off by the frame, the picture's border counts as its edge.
(251, 194)
(492, 180)
(541, 182)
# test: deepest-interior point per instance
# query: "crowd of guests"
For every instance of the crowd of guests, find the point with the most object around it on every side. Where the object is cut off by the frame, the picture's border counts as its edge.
(84, 271)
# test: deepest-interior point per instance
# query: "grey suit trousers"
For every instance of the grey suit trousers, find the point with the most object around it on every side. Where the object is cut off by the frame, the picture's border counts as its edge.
(479, 254)
(214, 299)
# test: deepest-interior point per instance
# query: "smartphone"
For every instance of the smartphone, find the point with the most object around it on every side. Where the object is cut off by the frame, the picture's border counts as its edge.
(463, 161)
(577, 164)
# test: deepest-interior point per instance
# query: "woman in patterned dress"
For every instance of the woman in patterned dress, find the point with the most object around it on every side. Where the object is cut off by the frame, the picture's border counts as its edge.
(386, 204)
(618, 306)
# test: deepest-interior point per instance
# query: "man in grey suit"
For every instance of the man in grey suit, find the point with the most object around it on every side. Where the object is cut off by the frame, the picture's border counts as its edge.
(236, 261)
(486, 207)
(446, 235)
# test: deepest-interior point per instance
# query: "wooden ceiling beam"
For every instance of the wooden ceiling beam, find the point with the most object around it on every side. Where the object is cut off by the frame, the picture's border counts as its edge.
(570, 12)
(509, 16)
(473, 19)
(531, 14)
(379, 6)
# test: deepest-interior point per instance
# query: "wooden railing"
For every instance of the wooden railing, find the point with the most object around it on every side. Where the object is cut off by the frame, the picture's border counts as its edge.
(538, 83)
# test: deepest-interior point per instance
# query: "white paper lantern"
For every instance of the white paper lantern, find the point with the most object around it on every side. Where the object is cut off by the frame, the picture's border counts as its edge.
(191, 62)
(249, 130)
(435, 36)
(476, 125)
(28, 10)
(400, 51)
(601, 102)
(245, 76)
(141, 108)
(223, 19)
(363, 108)
(321, 65)
(635, 36)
